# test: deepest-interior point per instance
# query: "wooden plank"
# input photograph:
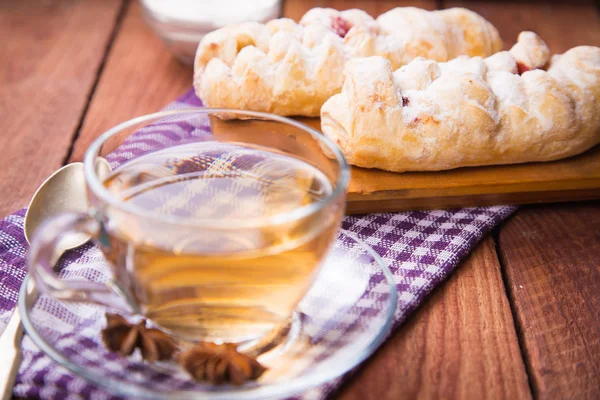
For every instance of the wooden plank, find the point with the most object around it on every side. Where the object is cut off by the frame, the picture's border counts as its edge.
(51, 52)
(551, 260)
(428, 203)
(460, 344)
(140, 77)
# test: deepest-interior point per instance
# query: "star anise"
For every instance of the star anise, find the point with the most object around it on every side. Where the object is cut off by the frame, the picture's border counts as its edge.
(123, 337)
(219, 364)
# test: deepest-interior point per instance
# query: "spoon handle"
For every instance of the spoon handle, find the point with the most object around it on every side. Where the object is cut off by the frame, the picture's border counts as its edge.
(10, 344)
(10, 348)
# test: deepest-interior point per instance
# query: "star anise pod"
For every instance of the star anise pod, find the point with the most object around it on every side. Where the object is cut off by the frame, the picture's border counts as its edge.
(122, 337)
(219, 364)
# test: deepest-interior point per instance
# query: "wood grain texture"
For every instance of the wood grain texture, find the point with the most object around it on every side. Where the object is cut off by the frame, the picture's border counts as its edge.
(437, 202)
(140, 77)
(50, 54)
(460, 344)
(551, 258)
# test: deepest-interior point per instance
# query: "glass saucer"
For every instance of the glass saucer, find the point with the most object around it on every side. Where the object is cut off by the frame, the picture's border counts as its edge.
(345, 316)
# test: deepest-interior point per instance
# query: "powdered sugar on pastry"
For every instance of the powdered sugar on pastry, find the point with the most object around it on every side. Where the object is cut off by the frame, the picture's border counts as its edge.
(530, 52)
(469, 111)
(313, 54)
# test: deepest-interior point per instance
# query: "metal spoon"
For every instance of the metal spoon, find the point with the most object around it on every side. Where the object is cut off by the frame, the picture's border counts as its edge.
(63, 191)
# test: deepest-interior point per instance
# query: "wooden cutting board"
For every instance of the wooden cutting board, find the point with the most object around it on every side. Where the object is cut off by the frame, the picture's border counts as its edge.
(372, 190)
(571, 179)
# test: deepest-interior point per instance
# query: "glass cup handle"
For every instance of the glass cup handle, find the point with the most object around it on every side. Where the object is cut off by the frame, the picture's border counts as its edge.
(44, 252)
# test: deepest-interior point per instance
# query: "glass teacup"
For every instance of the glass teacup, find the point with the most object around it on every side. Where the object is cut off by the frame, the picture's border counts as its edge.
(214, 222)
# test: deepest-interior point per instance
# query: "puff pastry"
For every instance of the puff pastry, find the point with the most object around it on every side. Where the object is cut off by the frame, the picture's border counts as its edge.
(503, 109)
(292, 69)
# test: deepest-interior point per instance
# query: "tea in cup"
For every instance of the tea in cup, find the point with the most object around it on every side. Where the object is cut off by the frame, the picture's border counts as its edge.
(214, 228)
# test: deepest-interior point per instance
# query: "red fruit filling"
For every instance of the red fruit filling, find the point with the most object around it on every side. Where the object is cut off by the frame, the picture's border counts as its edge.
(522, 68)
(340, 26)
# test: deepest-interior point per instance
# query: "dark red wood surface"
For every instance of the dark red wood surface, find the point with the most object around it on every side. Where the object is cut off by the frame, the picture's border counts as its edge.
(518, 319)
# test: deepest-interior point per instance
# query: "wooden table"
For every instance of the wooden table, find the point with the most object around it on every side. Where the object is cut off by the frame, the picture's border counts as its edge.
(519, 319)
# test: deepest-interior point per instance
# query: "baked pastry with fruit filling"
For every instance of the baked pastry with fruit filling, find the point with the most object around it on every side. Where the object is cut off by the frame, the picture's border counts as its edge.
(516, 106)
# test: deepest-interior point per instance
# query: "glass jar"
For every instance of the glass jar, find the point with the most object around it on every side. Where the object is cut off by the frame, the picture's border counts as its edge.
(181, 24)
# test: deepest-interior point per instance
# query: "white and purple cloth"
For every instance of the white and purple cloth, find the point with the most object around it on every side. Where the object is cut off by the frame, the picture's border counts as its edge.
(421, 248)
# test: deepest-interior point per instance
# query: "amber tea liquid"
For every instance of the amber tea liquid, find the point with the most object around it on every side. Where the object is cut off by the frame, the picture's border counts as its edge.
(230, 282)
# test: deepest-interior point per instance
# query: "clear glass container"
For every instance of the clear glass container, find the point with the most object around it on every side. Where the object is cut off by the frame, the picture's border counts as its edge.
(181, 24)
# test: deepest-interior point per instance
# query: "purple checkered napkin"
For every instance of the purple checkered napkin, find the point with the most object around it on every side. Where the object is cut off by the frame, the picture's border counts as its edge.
(420, 247)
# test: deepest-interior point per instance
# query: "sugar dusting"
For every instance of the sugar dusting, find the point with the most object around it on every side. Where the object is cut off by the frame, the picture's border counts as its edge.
(468, 111)
(497, 74)
(315, 50)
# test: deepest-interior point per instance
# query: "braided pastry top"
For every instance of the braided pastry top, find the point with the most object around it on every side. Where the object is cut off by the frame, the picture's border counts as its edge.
(468, 111)
(292, 69)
